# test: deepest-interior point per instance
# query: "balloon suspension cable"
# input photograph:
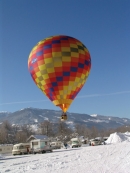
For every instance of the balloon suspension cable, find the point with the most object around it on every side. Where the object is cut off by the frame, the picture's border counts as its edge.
(63, 116)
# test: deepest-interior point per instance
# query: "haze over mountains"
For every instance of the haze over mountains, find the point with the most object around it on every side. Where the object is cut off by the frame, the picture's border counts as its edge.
(36, 116)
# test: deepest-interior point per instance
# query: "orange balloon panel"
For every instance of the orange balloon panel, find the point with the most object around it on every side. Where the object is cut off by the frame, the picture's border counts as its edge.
(60, 65)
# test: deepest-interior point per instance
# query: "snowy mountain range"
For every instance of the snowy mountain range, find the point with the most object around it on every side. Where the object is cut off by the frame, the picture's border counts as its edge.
(36, 116)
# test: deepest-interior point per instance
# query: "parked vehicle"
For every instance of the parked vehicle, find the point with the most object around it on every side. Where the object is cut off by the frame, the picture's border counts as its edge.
(95, 142)
(21, 148)
(56, 145)
(104, 140)
(6, 148)
(40, 146)
(75, 142)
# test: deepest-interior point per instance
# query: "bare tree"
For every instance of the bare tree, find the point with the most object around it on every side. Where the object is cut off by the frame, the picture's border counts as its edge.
(87, 133)
(82, 130)
(7, 125)
(3, 135)
(27, 129)
(21, 137)
(63, 131)
(94, 132)
(6, 133)
(46, 128)
(123, 129)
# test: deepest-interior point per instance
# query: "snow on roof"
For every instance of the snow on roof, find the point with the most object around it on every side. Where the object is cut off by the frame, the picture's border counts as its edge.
(37, 137)
(6, 145)
(40, 136)
(118, 137)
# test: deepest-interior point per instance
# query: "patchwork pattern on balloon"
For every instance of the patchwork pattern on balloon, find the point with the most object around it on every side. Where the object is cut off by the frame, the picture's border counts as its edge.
(60, 65)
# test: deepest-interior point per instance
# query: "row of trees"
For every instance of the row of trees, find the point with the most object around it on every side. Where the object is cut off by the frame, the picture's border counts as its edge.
(81, 130)
(15, 134)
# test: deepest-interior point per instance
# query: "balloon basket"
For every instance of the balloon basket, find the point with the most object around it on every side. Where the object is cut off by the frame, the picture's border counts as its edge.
(63, 117)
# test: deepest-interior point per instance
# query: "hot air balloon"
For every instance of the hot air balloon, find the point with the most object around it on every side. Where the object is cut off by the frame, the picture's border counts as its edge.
(60, 65)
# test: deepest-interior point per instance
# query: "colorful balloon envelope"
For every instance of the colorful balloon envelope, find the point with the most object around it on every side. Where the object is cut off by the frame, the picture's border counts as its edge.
(60, 65)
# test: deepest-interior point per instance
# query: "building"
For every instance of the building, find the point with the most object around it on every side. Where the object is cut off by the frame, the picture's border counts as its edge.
(32, 137)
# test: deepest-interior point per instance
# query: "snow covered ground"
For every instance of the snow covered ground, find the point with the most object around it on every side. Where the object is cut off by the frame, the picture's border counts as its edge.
(111, 158)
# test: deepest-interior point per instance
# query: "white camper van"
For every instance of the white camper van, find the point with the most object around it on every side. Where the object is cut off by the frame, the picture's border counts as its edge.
(40, 146)
(21, 148)
(75, 142)
(56, 144)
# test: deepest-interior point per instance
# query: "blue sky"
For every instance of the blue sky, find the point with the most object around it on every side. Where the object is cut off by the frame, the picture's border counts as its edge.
(103, 26)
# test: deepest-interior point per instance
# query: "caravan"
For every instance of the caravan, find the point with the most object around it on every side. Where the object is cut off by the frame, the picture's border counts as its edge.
(6, 148)
(56, 145)
(75, 142)
(21, 148)
(40, 146)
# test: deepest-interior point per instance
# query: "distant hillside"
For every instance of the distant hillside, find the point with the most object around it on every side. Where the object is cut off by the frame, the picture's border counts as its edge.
(36, 116)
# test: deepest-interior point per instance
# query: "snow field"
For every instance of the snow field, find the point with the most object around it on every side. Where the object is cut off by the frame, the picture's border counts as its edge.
(111, 158)
(114, 158)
